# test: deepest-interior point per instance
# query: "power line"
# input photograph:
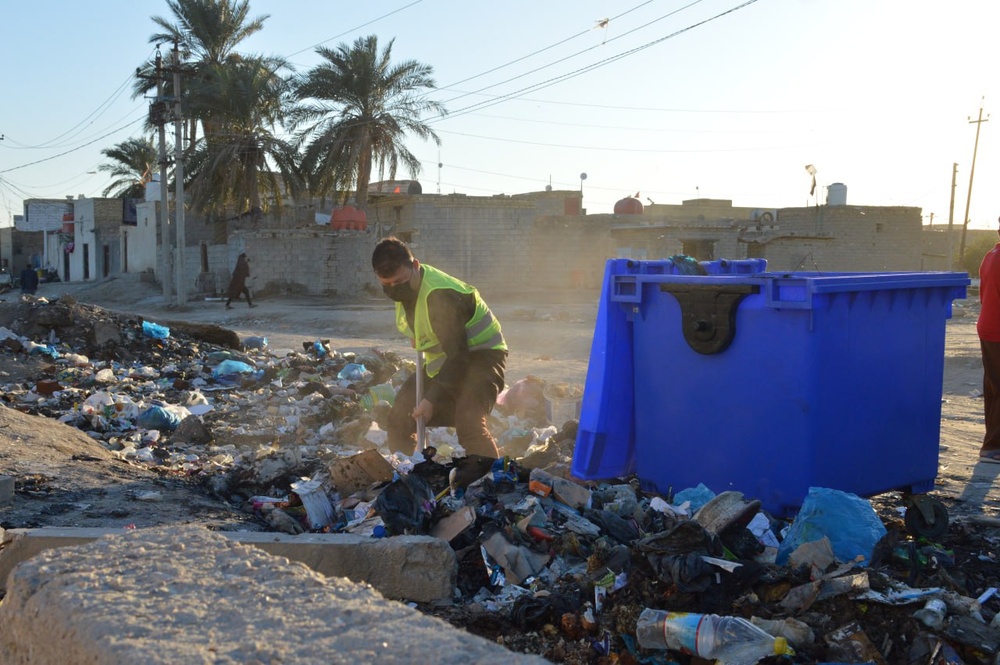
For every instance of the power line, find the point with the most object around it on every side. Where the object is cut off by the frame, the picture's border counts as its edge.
(605, 149)
(573, 55)
(95, 114)
(347, 32)
(542, 50)
(63, 154)
(583, 70)
(631, 128)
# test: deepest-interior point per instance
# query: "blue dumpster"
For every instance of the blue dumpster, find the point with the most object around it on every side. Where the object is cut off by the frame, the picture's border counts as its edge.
(767, 383)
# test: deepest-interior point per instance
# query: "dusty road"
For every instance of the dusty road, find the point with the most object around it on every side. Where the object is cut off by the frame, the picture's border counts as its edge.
(551, 339)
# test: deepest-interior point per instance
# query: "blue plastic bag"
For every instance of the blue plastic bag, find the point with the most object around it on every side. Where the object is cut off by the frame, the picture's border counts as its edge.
(155, 330)
(849, 521)
(353, 372)
(698, 496)
(228, 367)
(255, 342)
(156, 417)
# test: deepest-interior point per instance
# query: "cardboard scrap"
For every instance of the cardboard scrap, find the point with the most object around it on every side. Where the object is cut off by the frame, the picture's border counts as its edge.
(359, 472)
(451, 526)
(851, 644)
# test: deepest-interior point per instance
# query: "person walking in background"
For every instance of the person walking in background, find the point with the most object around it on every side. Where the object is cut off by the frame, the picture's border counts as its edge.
(238, 284)
(29, 280)
(988, 327)
(464, 350)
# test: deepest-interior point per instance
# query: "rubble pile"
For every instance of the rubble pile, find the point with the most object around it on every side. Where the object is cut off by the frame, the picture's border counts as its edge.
(547, 564)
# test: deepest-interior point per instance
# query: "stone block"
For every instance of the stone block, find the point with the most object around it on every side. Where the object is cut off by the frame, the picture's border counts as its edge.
(183, 594)
(417, 568)
(105, 332)
(6, 491)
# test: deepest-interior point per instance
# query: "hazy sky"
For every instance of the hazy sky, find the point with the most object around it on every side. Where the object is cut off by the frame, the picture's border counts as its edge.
(674, 99)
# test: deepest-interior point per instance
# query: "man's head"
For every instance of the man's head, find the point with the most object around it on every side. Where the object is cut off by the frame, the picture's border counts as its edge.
(243, 256)
(396, 269)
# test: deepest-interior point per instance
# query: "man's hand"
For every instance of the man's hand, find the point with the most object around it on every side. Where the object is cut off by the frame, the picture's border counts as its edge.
(424, 410)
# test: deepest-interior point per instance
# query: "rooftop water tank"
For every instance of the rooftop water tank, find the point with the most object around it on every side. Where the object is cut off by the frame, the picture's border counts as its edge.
(836, 194)
(153, 189)
(347, 217)
(628, 206)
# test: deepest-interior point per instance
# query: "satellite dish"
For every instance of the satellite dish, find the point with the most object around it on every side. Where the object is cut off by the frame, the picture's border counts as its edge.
(583, 176)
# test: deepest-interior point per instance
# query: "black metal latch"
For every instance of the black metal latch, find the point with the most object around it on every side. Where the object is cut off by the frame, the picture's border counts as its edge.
(708, 313)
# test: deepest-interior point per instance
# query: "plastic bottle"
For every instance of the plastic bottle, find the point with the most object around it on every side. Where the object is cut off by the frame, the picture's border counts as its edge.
(932, 614)
(729, 640)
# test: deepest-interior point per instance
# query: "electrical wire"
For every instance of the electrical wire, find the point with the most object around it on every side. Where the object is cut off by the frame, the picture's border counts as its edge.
(583, 70)
(542, 50)
(95, 114)
(63, 154)
(573, 55)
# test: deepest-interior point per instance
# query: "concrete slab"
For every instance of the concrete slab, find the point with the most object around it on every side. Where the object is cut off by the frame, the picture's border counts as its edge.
(417, 568)
(6, 489)
(188, 595)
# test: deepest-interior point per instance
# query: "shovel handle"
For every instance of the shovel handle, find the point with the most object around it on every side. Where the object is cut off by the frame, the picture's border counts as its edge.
(420, 396)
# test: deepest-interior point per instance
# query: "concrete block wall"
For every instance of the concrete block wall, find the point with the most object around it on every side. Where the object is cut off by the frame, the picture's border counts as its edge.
(841, 238)
(306, 261)
(567, 253)
(108, 214)
(474, 239)
(486, 241)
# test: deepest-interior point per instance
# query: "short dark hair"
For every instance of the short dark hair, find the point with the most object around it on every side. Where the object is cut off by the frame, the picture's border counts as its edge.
(390, 253)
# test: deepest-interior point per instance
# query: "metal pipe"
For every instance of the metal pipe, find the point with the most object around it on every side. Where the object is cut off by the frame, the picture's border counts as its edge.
(421, 426)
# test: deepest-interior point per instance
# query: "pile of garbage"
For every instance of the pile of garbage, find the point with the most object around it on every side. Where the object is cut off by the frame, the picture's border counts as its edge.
(579, 572)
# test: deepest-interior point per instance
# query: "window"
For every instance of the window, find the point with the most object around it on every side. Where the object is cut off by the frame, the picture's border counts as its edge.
(703, 250)
(755, 250)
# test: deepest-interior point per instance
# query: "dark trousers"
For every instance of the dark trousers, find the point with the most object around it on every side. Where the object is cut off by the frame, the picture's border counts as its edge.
(245, 292)
(991, 394)
(466, 412)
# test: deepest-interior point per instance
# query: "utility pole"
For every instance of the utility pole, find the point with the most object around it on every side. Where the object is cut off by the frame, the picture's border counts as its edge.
(951, 216)
(166, 242)
(972, 171)
(179, 178)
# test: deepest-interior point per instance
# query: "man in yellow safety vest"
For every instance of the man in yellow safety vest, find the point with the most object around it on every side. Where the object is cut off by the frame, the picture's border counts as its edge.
(463, 346)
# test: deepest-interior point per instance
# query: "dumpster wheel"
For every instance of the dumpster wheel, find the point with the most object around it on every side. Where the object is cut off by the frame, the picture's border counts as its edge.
(926, 516)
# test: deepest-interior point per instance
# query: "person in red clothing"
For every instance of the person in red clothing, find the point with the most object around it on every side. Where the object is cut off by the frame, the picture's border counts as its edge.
(988, 327)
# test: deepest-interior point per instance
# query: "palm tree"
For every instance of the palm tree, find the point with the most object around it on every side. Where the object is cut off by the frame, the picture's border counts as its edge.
(206, 30)
(133, 166)
(245, 102)
(357, 108)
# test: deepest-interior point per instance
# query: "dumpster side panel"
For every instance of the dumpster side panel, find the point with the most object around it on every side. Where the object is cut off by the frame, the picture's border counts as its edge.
(819, 387)
(724, 419)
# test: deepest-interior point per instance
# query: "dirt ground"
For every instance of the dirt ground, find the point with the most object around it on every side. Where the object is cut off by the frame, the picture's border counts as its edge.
(549, 337)
(79, 483)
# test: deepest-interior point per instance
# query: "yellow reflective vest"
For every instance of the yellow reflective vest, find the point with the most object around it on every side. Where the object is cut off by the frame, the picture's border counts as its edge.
(482, 331)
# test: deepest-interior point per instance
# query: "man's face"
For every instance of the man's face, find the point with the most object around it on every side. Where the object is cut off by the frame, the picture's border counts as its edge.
(399, 285)
(402, 275)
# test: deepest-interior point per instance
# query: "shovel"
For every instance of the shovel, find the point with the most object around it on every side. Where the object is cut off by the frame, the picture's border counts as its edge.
(420, 396)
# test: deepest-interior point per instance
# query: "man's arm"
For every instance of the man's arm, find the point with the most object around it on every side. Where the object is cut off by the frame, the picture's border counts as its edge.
(449, 311)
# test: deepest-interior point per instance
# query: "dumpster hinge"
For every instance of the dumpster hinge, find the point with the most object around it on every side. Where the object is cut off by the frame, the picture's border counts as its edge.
(708, 313)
